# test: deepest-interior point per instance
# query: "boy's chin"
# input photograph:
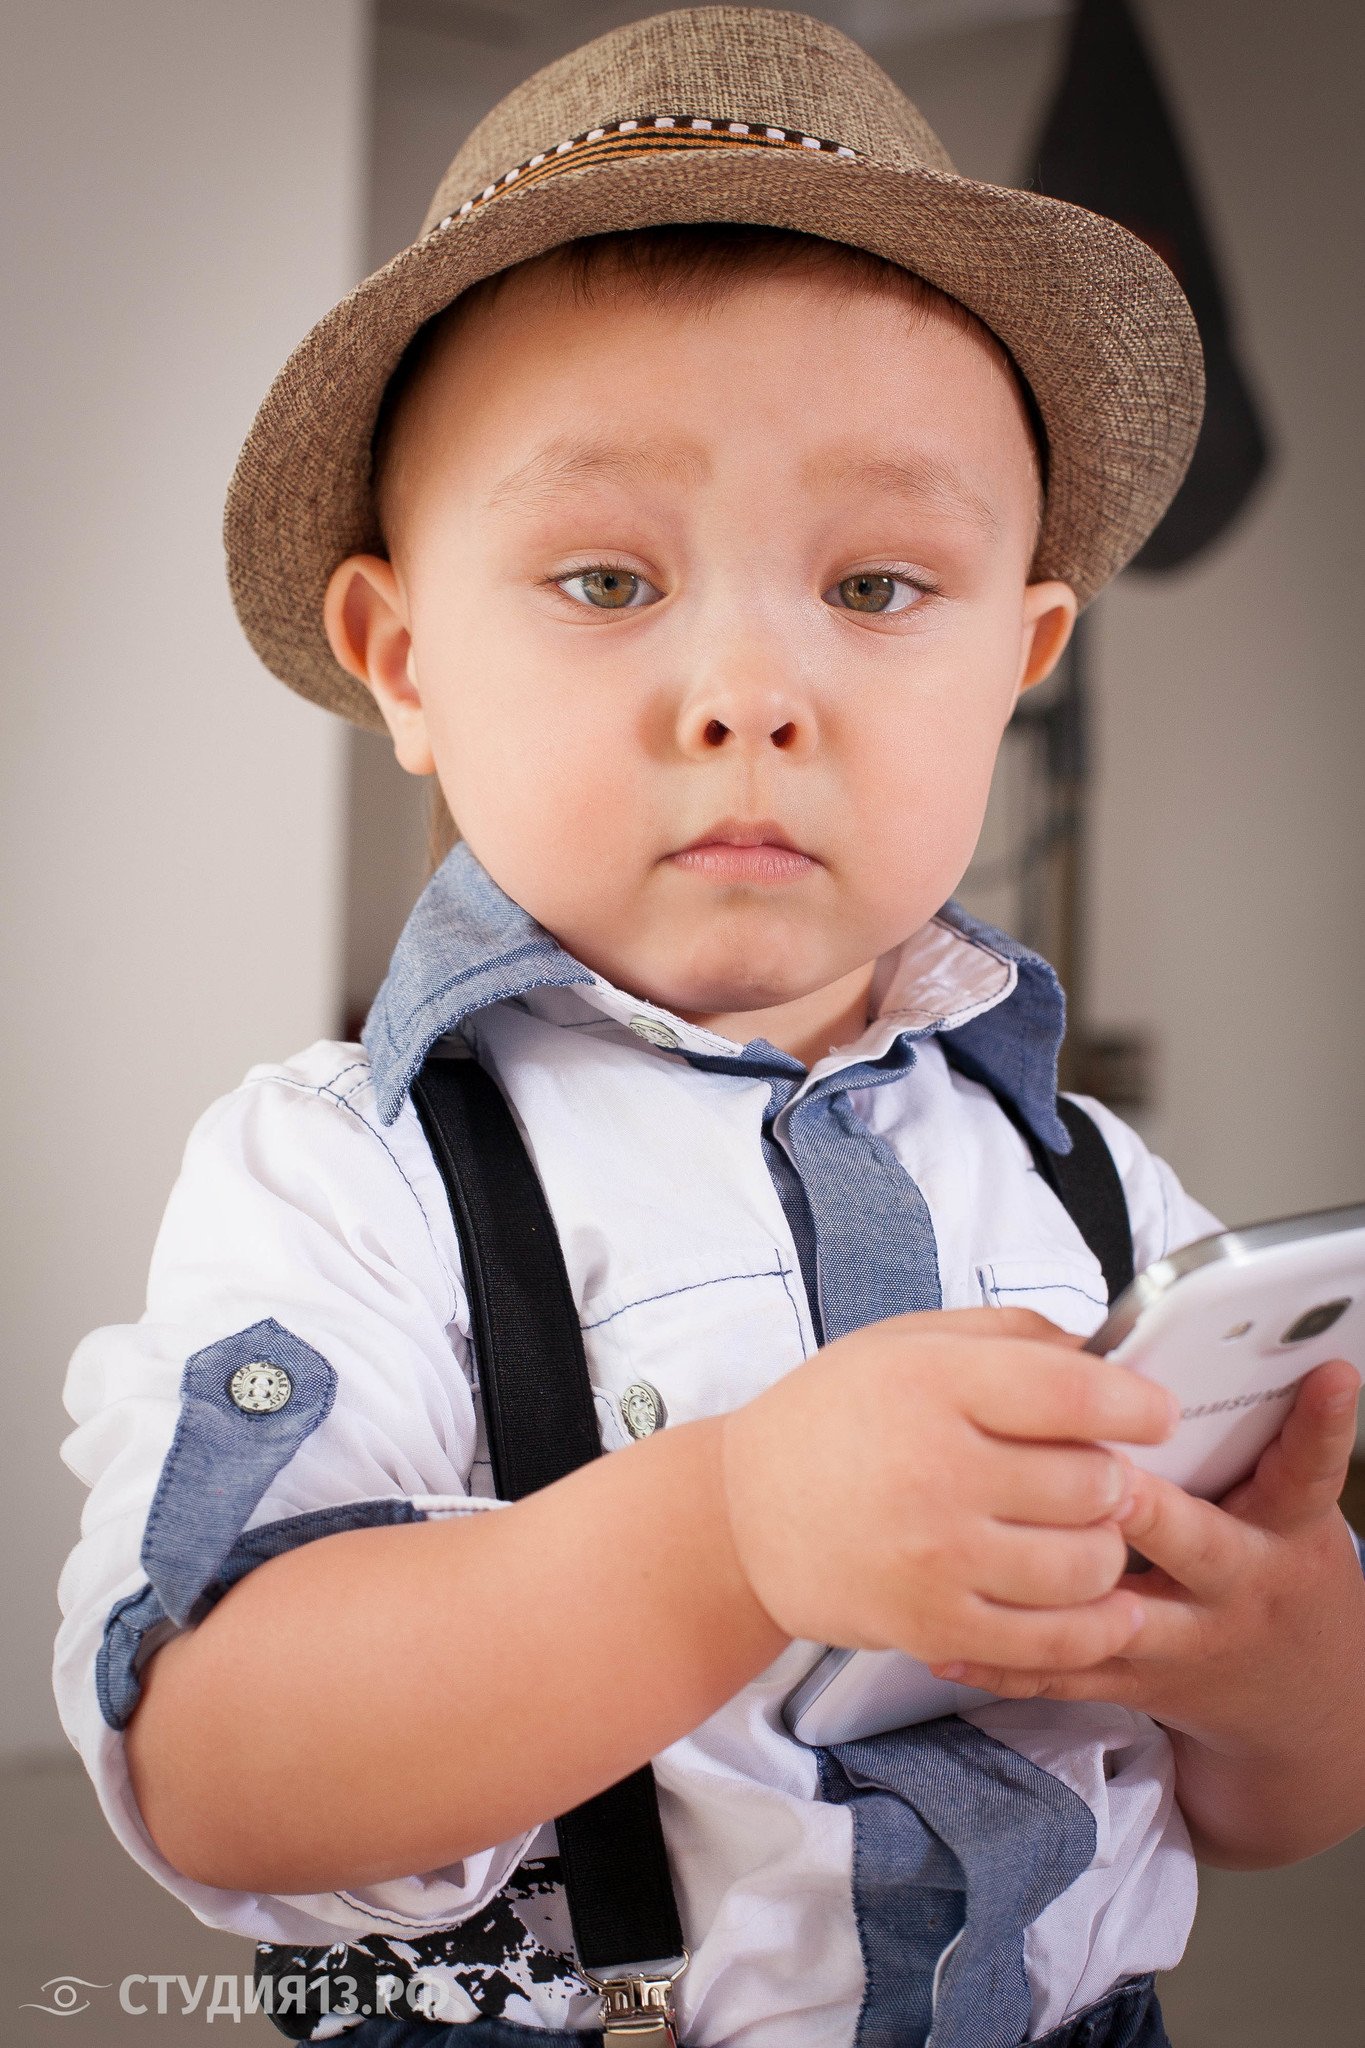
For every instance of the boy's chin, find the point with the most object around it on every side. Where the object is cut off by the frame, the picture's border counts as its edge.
(733, 985)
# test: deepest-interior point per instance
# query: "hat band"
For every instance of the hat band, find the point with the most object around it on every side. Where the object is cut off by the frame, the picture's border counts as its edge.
(639, 137)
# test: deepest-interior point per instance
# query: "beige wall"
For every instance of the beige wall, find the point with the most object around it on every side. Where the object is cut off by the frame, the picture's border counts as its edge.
(184, 187)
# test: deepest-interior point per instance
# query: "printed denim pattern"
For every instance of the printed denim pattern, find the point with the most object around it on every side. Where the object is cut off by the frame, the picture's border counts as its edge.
(489, 1961)
(1129, 2017)
(409, 2033)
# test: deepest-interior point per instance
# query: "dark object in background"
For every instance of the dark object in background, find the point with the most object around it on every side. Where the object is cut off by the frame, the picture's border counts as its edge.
(1109, 143)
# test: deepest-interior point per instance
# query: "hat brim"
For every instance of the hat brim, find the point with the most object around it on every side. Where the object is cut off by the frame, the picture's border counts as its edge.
(1095, 321)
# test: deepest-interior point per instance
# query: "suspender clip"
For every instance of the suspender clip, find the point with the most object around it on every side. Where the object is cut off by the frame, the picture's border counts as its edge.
(637, 2011)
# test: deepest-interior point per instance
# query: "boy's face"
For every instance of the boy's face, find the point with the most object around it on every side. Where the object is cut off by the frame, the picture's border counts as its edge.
(670, 575)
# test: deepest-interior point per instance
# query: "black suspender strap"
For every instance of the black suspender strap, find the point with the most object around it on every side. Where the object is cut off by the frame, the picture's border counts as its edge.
(1085, 1180)
(542, 1423)
(528, 1349)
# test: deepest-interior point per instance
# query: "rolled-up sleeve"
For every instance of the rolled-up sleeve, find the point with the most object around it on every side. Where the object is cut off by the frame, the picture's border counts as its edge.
(302, 1367)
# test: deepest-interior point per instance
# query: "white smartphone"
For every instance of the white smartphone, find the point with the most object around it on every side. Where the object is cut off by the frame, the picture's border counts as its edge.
(1231, 1324)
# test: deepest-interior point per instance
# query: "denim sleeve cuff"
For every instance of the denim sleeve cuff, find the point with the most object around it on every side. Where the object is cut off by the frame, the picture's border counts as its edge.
(139, 1623)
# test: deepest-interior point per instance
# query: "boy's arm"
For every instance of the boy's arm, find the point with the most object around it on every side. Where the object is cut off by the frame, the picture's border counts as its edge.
(928, 1478)
(429, 1690)
(464, 1680)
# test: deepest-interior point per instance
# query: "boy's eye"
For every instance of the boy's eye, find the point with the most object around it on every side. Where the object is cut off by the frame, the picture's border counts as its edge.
(612, 590)
(874, 590)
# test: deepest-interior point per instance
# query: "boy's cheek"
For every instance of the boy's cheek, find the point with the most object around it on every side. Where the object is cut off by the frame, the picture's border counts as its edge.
(571, 797)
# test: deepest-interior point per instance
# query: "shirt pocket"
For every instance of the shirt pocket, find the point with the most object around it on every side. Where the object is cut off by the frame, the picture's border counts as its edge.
(702, 1340)
(1068, 1291)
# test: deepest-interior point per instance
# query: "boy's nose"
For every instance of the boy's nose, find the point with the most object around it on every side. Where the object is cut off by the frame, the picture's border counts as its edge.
(745, 718)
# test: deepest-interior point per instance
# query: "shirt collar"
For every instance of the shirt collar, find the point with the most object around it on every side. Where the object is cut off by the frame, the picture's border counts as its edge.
(467, 945)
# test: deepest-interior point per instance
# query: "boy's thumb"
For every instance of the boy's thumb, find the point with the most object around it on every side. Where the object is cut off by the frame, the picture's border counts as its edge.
(1301, 1474)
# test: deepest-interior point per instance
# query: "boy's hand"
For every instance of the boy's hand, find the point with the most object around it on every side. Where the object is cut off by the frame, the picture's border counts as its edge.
(933, 1483)
(1252, 1648)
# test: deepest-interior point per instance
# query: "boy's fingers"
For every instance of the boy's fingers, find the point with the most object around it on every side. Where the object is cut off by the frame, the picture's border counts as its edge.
(1302, 1472)
(1055, 1486)
(1049, 1567)
(1048, 1638)
(1114, 1680)
(1197, 1544)
(1050, 1395)
(1171, 1631)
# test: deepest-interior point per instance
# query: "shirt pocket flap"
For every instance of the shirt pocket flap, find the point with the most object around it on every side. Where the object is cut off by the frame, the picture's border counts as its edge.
(1068, 1291)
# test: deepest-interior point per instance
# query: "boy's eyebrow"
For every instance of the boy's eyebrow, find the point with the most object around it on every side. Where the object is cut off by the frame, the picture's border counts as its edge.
(920, 476)
(568, 459)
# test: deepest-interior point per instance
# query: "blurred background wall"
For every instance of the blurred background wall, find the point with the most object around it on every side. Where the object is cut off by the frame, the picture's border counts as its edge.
(204, 872)
(186, 187)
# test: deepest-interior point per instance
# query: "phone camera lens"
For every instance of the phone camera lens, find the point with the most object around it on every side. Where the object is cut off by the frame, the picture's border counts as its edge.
(1314, 1321)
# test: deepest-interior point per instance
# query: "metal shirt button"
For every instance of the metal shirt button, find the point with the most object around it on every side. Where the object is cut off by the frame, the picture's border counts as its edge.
(260, 1388)
(642, 1409)
(655, 1033)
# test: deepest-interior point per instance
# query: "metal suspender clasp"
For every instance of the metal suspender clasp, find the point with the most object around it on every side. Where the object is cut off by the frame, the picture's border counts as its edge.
(637, 2011)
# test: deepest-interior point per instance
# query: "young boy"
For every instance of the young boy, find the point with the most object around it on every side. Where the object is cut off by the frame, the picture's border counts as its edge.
(703, 566)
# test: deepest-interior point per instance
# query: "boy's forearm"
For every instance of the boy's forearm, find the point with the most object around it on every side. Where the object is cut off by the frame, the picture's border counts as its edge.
(385, 1701)
(1270, 1766)
(1255, 1810)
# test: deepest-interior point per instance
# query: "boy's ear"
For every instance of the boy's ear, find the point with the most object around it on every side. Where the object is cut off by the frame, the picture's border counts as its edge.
(1049, 616)
(365, 617)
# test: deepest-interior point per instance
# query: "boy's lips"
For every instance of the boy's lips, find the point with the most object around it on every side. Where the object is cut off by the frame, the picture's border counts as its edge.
(739, 850)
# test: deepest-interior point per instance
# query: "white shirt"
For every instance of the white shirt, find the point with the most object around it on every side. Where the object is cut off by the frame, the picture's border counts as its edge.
(298, 1202)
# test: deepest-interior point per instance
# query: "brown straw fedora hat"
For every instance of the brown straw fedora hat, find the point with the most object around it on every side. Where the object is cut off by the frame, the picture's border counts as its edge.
(726, 114)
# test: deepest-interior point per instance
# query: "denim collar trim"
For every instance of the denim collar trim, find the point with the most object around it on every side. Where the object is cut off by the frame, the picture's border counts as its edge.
(467, 945)
(1017, 1045)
